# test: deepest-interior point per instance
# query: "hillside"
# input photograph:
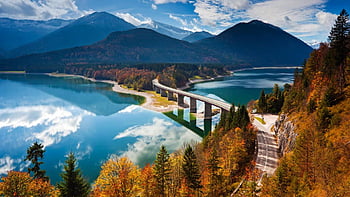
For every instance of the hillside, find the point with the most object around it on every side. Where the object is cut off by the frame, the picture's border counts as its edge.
(259, 44)
(314, 133)
(133, 46)
(196, 36)
(14, 33)
(83, 31)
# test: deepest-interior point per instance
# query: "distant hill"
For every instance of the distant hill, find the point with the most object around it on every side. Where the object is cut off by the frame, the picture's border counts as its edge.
(133, 46)
(14, 33)
(83, 31)
(165, 29)
(259, 44)
(196, 36)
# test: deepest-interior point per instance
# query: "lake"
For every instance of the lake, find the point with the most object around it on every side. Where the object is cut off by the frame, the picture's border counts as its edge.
(73, 114)
(70, 114)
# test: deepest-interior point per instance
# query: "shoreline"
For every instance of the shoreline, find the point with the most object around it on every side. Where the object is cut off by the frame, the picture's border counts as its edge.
(149, 98)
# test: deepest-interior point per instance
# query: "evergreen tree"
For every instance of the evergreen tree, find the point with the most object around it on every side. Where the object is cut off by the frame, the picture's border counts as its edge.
(215, 177)
(338, 41)
(191, 169)
(73, 184)
(162, 170)
(34, 153)
(262, 103)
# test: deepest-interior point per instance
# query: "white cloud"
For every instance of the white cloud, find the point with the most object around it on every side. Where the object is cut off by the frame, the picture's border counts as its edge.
(129, 109)
(7, 164)
(154, 7)
(151, 136)
(58, 121)
(169, 1)
(43, 9)
(182, 21)
(133, 20)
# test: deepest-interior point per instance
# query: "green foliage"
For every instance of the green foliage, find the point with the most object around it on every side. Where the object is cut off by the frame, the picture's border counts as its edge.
(162, 171)
(34, 154)
(262, 103)
(73, 183)
(191, 169)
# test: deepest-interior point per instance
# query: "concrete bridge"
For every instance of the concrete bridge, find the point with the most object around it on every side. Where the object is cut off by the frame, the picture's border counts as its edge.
(166, 91)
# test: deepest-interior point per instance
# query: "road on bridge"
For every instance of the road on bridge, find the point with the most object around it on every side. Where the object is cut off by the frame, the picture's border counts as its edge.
(267, 158)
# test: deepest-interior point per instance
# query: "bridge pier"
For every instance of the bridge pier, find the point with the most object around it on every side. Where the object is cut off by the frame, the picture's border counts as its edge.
(180, 100)
(170, 96)
(157, 89)
(207, 111)
(163, 93)
(193, 105)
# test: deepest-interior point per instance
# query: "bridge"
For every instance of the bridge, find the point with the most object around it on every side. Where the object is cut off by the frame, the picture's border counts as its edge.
(166, 91)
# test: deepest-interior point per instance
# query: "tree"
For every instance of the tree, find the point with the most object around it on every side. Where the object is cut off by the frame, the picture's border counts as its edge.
(118, 177)
(338, 41)
(162, 170)
(262, 103)
(34, 153)
(15, 184)
(148, 182)
(191, 169)
(215, 177)
(73, 183)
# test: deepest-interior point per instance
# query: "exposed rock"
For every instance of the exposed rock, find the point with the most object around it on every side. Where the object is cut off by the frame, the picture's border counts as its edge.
(284, 130)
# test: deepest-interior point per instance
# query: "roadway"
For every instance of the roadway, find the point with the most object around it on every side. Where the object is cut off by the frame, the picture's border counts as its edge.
(267, 157)
(217, 103)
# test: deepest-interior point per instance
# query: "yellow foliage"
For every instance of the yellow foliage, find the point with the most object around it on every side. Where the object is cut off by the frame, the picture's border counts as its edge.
(118, 177)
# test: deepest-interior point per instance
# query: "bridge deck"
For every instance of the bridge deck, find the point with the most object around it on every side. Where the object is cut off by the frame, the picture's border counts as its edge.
(220, 104)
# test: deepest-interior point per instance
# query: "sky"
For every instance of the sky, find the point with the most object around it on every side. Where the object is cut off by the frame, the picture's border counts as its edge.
(309, 20)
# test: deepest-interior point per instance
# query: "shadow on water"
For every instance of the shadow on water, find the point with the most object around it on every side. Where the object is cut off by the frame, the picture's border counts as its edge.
(95, 97)
(192, 123)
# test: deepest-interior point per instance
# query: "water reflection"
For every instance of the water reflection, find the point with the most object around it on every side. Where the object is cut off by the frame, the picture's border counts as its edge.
(66, 118)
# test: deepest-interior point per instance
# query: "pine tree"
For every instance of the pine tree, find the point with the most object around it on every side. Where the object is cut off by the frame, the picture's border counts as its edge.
(338, 41)
(34, 153)
(162, 171)
(262, 103)
(73, 184)
(191, 169)
(215, 178)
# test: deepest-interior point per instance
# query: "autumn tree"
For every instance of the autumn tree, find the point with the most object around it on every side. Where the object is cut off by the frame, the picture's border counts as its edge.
(148, 182)
(215, 176)
(73, 183)
(18, 184)
(34, 154)
(162, 171)
(191, 169)
(118, 177)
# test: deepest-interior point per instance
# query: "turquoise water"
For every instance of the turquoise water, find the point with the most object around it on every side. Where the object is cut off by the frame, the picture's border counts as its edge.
(245, 85)
(72, 114)
(87, 118)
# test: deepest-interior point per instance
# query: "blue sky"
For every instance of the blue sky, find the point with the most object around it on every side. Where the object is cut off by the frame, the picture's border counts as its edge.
(309, 20)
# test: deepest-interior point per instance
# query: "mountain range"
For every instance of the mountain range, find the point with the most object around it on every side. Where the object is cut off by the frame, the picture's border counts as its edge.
(165, 29)
(196, 36)
(258, 43)
(15, 33)
(83, 31)
(247, 44)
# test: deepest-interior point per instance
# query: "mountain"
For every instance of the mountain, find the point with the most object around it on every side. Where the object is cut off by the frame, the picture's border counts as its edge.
(14, 33)
(83, 31)
(133, 46)
(165, 29)
(259, 44)
(196, 36)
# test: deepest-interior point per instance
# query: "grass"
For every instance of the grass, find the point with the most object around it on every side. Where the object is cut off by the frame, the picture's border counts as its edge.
(260, 120)
(159, 100)
(14, 72)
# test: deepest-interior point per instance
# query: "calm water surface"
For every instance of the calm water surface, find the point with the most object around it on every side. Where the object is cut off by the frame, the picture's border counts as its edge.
(72, 114)
(246, 85)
